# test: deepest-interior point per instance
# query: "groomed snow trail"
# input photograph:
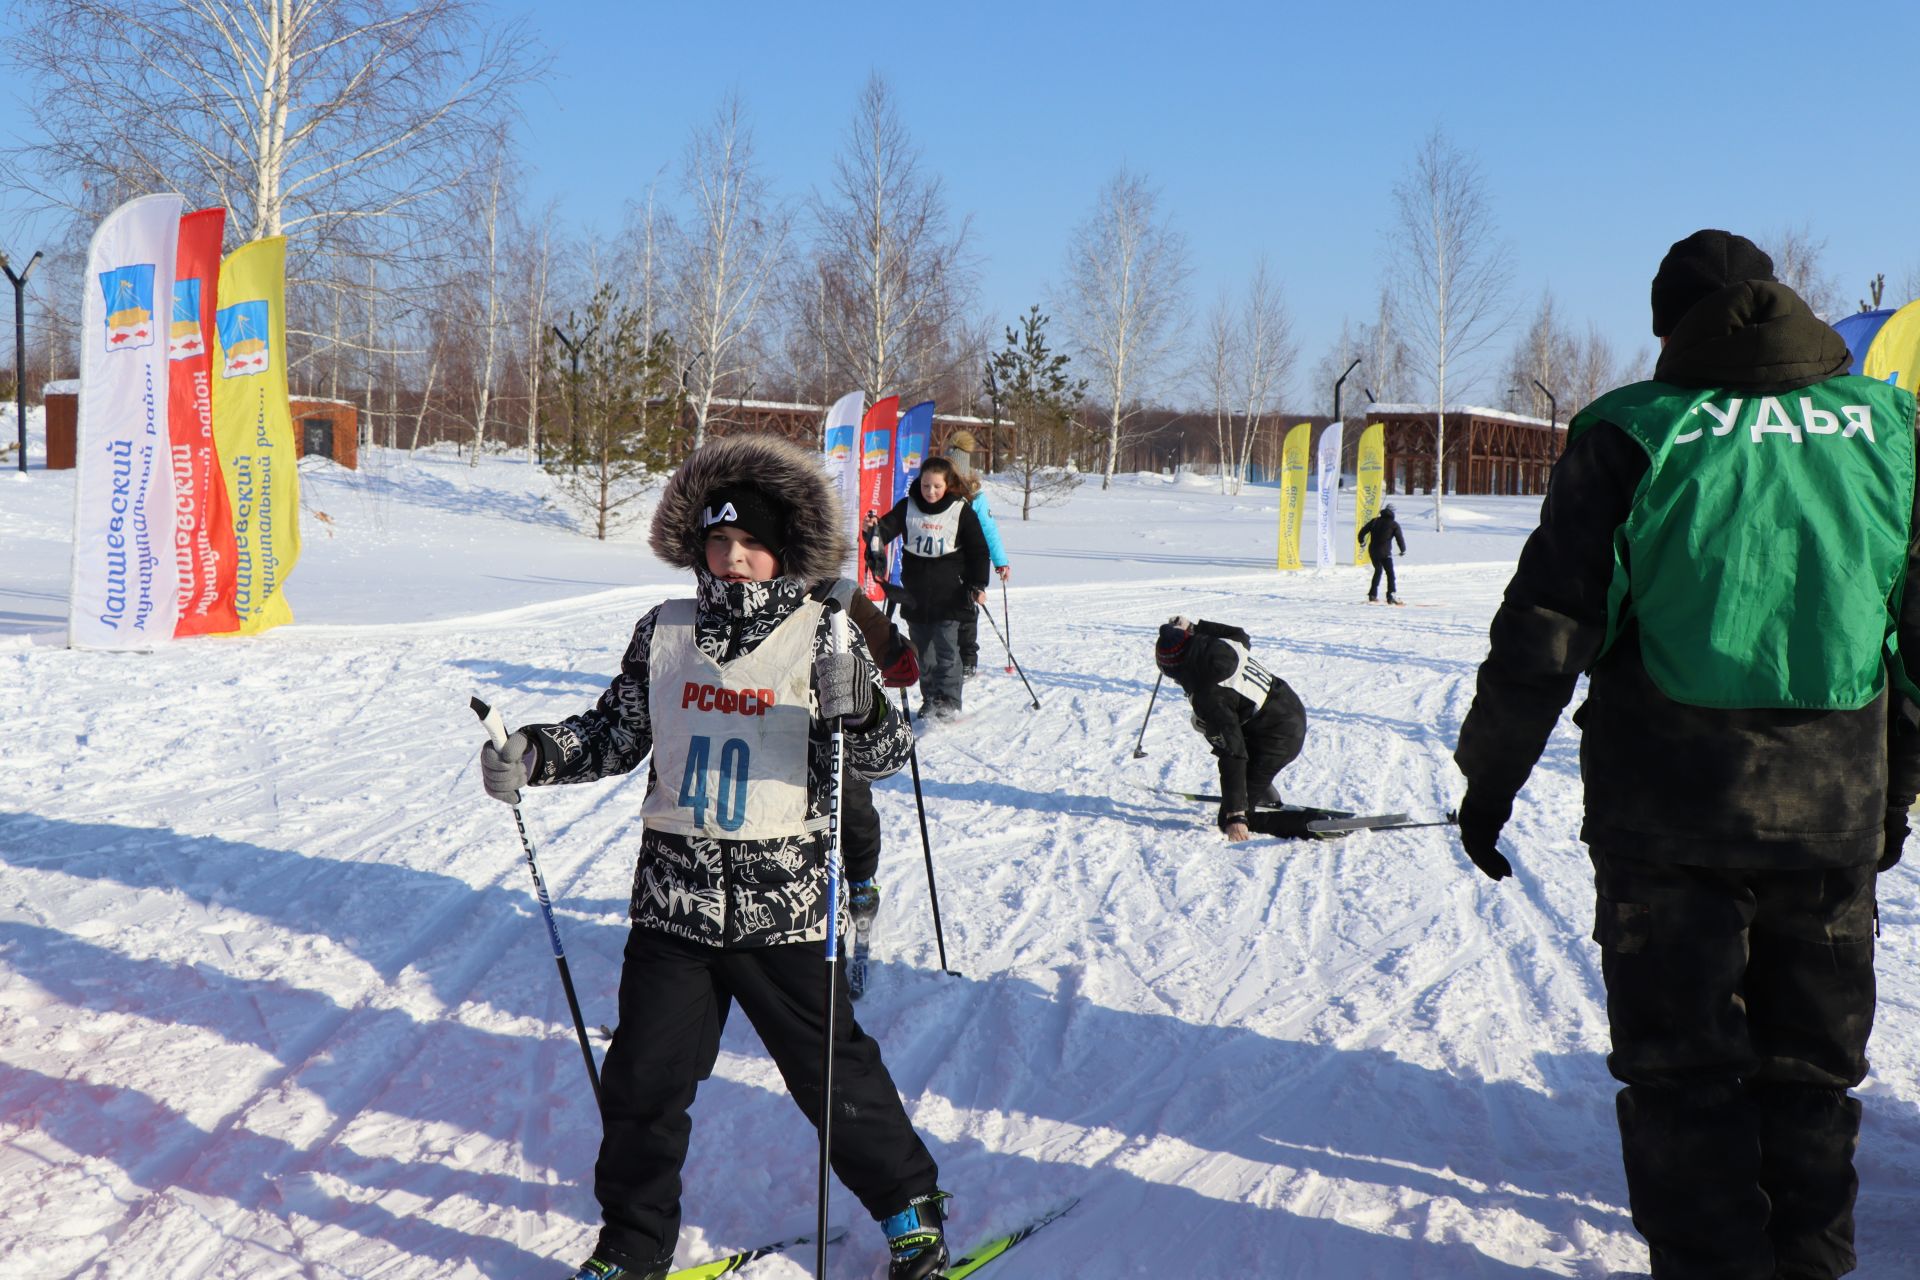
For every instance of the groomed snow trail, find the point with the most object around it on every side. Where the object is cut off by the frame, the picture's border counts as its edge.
(275, 998)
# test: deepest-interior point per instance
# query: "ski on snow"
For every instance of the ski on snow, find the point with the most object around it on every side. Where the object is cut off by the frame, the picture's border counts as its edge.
(734, 1261)
(1375, 822)
(981, 1254)
(1205, 798)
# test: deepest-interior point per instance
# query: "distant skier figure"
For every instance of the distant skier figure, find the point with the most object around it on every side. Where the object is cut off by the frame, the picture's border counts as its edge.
(1380, 534)
(728, 697)
(944, 575)
(1251, 719)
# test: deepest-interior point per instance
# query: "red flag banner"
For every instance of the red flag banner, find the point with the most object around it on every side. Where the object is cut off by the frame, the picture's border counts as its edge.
(203, 522)
(876, 476)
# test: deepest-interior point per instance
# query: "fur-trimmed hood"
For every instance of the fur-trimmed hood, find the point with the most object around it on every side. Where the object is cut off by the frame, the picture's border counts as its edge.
(818, 545)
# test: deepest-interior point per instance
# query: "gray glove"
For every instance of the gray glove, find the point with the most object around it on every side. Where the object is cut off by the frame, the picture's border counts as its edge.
(843, 683)
(504, 770)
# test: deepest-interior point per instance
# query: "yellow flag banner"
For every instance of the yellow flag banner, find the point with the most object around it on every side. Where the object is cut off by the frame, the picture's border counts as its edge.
(1895, 354)
(1293, 493)
(253, 429)
(1372, 483)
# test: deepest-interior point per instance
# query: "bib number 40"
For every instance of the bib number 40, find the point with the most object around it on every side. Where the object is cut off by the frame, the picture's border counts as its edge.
(729, 793)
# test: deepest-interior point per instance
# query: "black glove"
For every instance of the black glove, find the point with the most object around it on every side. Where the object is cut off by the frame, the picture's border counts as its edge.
(878, 561)
(1480, 823)
(1897, 828)
(843, 684)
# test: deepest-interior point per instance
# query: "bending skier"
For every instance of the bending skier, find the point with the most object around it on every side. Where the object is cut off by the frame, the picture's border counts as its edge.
(1380, 534)
(1251, 719)
(732, 693)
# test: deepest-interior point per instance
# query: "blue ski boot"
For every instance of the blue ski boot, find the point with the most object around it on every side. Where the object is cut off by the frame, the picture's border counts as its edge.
(916, 1240)
(863, 899)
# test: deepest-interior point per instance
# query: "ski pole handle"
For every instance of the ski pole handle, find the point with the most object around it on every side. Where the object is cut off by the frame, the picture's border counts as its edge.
(490, 717)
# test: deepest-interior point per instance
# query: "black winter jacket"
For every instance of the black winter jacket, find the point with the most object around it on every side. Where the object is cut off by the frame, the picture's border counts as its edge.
(1235, 727)
(1379, 534)
(1672, 782)
(939, 588)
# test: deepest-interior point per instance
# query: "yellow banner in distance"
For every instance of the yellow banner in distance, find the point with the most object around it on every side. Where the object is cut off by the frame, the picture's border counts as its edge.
(253, 429)
(1293, 493)
(1372, 486)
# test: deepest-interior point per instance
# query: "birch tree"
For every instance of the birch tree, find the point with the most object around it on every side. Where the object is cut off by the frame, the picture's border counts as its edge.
(1798, 263)
(299, 116)
(1123, 297)
(890, 270)
(1220, 358)
(1267, 353)
(724, 256)
(1451, 269)
(487, 309)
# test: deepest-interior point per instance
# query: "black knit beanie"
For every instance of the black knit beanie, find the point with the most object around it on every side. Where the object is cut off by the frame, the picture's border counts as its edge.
(1171, 645)
(1702, 264)
(750, 510)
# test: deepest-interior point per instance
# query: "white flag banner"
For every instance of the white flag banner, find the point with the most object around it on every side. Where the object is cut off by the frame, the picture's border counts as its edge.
(126, 588)
(1329, 469)
(839, 436)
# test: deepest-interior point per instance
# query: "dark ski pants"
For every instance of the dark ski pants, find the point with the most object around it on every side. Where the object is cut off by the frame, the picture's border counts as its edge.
(938, 644)
(970, 639)
(859, 827)
(1740, 1003)
(1379, 567)
(674, 1000)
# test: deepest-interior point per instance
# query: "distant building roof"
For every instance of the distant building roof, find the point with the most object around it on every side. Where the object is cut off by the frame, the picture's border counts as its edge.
(1478, 411)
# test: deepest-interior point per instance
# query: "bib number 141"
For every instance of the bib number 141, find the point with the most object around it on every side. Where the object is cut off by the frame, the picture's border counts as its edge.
(729, 794)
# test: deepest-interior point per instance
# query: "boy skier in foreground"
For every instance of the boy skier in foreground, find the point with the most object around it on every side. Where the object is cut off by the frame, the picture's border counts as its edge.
(733, 694)
(1251, 719)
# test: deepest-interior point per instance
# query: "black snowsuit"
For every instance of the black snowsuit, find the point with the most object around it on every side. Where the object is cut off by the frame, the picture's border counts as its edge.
(1734, 854)
(1380, 534)
(1253, 741)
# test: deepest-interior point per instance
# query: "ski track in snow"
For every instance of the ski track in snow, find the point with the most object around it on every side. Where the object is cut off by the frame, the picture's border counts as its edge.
(276, 999)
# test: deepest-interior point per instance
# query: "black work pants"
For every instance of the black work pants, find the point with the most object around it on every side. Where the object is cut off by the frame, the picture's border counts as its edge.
(1740, 1004)
(674, 1000)
(859, 828)
(1379, 567)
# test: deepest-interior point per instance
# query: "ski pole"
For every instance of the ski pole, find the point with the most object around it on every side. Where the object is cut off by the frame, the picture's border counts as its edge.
(920, 808)
(926, 845)
(497, 730)
(1007, 640)
(1140, 752)
(837, 642)
(1006, 616)
(1010, 658)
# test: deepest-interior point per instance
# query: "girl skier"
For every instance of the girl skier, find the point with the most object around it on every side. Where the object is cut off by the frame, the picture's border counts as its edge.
(732, 694)
(944, 575)
(976, 488)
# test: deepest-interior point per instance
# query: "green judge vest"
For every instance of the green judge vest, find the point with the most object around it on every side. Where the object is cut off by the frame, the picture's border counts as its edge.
(1764, 554)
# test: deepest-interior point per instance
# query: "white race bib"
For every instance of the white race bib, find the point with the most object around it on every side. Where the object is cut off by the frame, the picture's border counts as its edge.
(730, 740)
(935, 534)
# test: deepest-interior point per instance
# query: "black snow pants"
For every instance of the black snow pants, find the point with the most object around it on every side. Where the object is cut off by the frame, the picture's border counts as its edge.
(1740, 1003)
(674, 1000)
(970, 640)
(859, 828)
(1382, 565)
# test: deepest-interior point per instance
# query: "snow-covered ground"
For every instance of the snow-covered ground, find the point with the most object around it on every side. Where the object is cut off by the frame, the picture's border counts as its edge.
(275, 999)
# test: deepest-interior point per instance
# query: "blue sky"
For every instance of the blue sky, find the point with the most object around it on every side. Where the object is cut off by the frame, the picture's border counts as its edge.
(1605, 131)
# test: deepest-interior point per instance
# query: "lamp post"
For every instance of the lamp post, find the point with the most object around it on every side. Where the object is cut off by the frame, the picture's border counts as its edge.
(1336, 388)
(1553, 419)
(20, 349)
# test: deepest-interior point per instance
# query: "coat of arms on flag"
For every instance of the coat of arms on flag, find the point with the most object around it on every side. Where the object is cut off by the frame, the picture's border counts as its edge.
(129, 294)
(243, 338)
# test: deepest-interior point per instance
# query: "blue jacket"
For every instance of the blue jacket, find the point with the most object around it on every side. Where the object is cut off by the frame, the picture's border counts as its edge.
(996, 549)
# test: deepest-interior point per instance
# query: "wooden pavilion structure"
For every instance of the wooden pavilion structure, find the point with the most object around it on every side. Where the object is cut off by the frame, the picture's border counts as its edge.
(1488, 450)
